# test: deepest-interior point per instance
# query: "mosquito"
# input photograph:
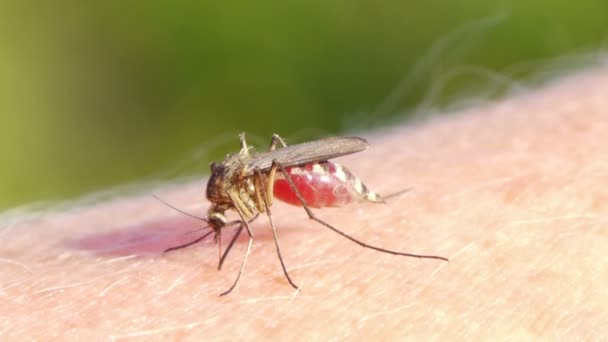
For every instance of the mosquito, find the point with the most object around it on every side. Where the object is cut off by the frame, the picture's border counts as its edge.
(302, 175)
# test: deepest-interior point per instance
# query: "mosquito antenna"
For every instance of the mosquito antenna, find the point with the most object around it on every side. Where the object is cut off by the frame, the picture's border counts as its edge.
(181, 211)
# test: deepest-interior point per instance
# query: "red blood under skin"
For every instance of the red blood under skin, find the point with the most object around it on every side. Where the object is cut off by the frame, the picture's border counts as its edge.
(318, 189)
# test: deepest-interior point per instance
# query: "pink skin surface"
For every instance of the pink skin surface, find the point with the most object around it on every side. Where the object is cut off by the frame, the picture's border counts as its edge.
(514, 193)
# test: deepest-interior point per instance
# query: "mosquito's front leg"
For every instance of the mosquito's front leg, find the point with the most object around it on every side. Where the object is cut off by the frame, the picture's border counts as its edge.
(258, 174)
(233, 240)
(238, 205)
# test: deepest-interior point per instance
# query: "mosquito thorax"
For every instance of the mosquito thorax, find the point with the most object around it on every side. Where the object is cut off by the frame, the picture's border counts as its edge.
(222, 179)
(230, 177)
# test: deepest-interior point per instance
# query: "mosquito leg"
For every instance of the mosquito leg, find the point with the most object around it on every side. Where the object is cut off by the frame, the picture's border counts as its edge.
(270, 185)
(395, 194)
(258, 174)
(187, 244)
(242, 141)
(245, 223)
(242, 263)
(242, 267)
(232, 241)
(276, 139)
(312, 216)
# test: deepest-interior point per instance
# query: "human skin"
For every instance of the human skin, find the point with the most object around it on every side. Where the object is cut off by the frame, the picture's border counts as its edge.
(513, 193)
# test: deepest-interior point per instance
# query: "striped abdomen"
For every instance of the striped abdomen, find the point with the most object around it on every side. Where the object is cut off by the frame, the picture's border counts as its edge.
(323, 184)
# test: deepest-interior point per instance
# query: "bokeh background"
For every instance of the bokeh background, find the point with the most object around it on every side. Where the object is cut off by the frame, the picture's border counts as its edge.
(99, 93)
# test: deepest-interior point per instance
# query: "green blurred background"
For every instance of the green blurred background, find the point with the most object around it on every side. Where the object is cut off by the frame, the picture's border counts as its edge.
(96, 94)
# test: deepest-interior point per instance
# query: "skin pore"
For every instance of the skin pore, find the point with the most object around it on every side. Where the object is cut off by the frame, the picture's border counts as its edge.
(513, 193)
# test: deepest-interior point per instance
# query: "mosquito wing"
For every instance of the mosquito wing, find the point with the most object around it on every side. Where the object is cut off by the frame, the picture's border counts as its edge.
(312, 151)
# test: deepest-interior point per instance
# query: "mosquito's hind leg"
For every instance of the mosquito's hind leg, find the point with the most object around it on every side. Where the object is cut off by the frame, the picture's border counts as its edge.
(276, 139)
(313, 217)
(243, 142)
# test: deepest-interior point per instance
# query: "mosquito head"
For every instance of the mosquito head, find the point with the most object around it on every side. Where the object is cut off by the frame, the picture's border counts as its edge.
(216, 218)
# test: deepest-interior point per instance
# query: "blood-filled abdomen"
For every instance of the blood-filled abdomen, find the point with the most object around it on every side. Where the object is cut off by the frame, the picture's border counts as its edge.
(323, 184)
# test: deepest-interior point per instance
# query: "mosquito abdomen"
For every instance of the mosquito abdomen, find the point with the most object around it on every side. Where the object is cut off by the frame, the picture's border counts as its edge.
(322, 184)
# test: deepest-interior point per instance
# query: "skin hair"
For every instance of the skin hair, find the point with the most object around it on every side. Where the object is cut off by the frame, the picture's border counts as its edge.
(513, 193)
